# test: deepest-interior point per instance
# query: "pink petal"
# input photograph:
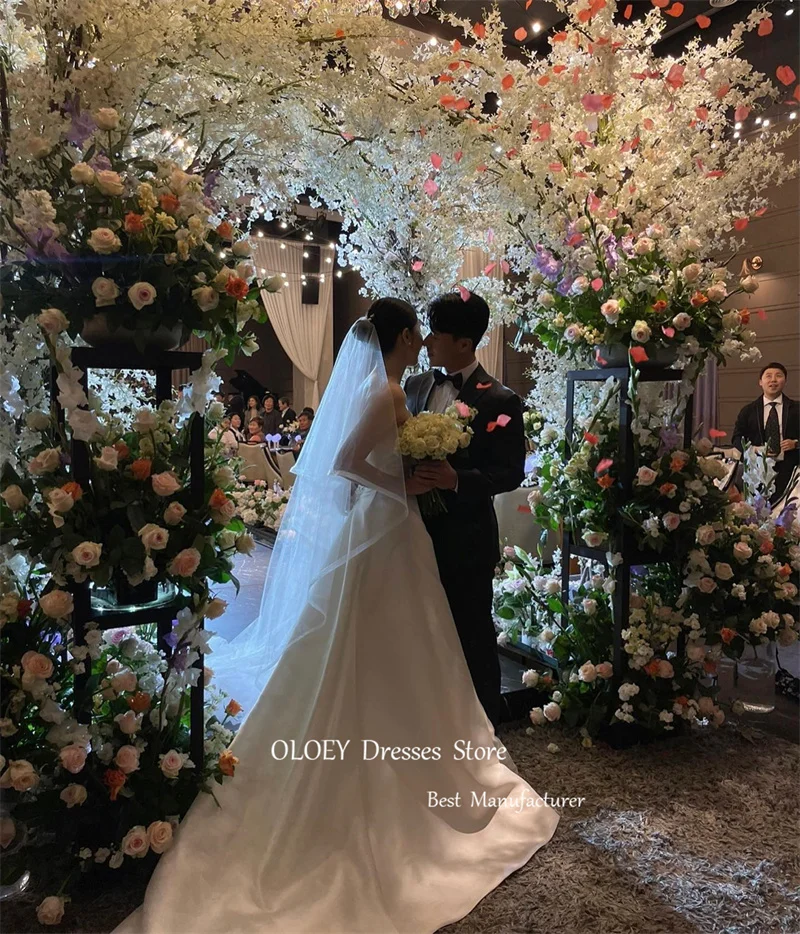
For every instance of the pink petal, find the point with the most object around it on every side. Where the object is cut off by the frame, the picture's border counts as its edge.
(465, 293)
(639, 354)
(417, 265)
(716, 433)
(503, 420)
(430, 187)
(604, 465)
(505, 267)
(487, 269)
(597, 284)
(436, 160)
(458, 156)
(669, 332)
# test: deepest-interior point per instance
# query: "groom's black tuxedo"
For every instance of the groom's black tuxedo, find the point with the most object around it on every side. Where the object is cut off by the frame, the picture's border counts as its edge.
(466, 538)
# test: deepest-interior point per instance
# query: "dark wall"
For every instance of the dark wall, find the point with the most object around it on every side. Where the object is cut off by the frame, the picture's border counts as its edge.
(269, 364)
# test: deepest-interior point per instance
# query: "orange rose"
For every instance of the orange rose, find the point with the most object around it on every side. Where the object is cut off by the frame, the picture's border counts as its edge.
(217, 499)
(114, 779)
(122, 450)
(225, 230)
(141, 468)
(784, 570)
(652, 668)
(232, 708)
(659, 306)
(698, 299)
(134, 223)
(683, 701)
(734, 495)
(727, 635)
(744, 315)
(169, 203)
(74, 490)
(139, 702)
(780, 532)
(227, 762)
(605, 481)
(710, 667)
(766, 548)
(237, 287)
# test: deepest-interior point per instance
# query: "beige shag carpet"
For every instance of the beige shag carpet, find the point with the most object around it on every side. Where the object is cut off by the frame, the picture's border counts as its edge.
(695, 834)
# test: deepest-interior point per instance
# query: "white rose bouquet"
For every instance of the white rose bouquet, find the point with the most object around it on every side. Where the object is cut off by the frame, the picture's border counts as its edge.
(431, 436)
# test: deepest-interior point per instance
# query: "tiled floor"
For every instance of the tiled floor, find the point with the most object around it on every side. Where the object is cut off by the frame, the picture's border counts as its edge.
(251, 571)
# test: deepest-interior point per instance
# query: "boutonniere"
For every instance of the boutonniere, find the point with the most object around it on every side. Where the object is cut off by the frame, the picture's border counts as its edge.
(502, 421)
(483, 386)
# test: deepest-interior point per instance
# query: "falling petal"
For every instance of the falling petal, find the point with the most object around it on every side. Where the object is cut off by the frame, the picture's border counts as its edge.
(716, 433)
(597, 284)
(742, 112)
(458, 156)
(638, 354)
(628, 11)
(479, 31)
(521, 34)
(740, 223)
(487, 269)
(765, 27)
(675, 10)
(703, 21)
(464, 293)
(507, 82)
(785, 74)
(503, 420)
(430, 187)
(436, 160)
(417, 265)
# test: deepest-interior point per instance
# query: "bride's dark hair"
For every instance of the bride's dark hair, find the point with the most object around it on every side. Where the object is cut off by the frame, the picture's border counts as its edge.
(389, 317)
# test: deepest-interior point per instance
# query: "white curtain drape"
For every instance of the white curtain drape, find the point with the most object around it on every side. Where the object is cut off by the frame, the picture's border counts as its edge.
(305, 331)
(490, 355)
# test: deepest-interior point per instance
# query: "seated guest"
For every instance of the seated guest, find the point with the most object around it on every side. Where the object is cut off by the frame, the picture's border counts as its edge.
(236, 426)
(255, 431)
(223, 431)
(772, 421)
(288, 414)
(270, 417)
(308, 411)
(304, 421)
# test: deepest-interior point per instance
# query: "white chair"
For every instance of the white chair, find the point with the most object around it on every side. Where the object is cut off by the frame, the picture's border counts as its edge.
(256, 466)
(285, 461)
(517, 526)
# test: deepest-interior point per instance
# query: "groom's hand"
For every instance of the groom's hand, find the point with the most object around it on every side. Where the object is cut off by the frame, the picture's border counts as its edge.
(440, 474)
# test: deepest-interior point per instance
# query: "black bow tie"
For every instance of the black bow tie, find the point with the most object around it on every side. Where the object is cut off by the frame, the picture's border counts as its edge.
(457, 379)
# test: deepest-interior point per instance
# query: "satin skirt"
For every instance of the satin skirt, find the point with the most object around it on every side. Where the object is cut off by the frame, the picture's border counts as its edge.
(402, 821)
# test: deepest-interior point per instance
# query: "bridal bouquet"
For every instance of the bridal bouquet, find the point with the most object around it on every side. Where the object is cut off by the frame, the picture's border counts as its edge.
(430, 436)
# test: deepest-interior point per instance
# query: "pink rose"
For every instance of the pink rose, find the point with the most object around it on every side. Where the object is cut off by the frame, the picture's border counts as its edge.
(50, 910)
(159, 833)
(124, 681)
(665, 669)
(73, 757)
(605, 670)
(185, 563)
(165, 484)
(135, 842)
(706, 706)
(141, 294)
(645, 476)
(153, 537)
(19, 775)
(742, 552)
(127, 759)
(706, 535)
(671, 521)
(707, 584)
(73, 795)
(610, 311)
(37, 665)
(128, 722)
(87, 554)
(174, 513)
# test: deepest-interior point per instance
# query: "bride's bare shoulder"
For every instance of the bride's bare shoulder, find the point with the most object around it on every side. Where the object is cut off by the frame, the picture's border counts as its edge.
(399, 400)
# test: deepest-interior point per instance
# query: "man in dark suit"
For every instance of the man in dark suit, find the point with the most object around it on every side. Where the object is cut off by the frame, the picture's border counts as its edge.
(288, 414)
(466, 538)
(772, 421)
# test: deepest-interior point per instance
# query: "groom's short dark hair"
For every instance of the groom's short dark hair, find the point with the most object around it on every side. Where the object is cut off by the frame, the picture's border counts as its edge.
(450, 314)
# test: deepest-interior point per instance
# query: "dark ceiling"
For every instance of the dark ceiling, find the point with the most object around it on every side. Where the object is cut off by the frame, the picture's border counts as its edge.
(782, 47)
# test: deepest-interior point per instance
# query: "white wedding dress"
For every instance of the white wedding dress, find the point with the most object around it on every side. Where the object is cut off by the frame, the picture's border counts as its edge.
(355, 844)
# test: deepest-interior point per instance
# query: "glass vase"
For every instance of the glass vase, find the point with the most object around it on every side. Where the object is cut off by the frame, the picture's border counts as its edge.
(754, 678)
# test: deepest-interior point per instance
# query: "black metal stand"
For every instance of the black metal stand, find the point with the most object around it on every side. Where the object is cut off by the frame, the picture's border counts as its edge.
(632, 554)
(120, 357)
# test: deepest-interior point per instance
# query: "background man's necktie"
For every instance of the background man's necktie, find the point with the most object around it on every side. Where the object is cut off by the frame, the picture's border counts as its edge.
(773, 430)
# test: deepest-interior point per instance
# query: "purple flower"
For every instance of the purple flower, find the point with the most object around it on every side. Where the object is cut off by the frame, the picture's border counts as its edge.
(786, 518)
(547, 264)
(46, 246)
(609, 245)
(180, 658)
(565, 285)
(670, 440)
(81, 128)
(100, 163)
(211, 182)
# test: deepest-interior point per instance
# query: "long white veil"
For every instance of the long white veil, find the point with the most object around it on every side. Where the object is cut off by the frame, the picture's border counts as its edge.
(350, 450)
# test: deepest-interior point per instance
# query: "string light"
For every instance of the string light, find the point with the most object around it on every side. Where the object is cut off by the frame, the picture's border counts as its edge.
(309, 237)
(737, 126)
(758, 121)
(766, 123)
(536, 26)
(283, 225)
(338, 273)
(328, 259)
(283, 246)
(260, 233)
(736, 135)
(222, 254)
(793, 115)
(433, 41)
(305, 255)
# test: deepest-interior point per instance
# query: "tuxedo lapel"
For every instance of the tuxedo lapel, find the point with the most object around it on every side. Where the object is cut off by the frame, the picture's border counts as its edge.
(475, 387)
(760, 418)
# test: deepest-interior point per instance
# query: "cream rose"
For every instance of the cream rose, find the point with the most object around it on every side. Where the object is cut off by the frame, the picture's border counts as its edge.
(104, 241)
(141, 294)
(159, 833)
(552, 711)
(749, 284)
(610, 311)
(537, 716)
(245, 544)
(691, 273)
(108, 460)
(59, 500)
(45, 462)
(135, 842)
(215, 608)
(87, 554)
(723, 571)
(707, 585)
(127, 759)
(106, 118)
(185, 563)
(52, 321)
(109, 182)
(681, 321)
(124, 681)
(742, 552)
(105, 291)
(207, 298)
(241, 248)
(587, 672)
(57, 604)
(272, 284)
(706, 535)
(50, 910)
(223, 476)
(605, 670)
(20, 775)
(73, 795)
(73, 757)
(14, 498)
(82, 173)
(717, 292)
(644, 245)
(165, 484)
(37, 665)
(174, 513)
(153, 537)
(641, 332)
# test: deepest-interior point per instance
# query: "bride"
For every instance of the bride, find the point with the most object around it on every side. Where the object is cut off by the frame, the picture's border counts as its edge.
(371, 794)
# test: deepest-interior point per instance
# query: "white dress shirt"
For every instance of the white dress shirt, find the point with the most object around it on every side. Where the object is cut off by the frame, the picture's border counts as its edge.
(444, 395)
(767, 403)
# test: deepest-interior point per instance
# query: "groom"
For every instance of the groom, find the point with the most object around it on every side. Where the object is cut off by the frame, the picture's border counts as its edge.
(465, 538)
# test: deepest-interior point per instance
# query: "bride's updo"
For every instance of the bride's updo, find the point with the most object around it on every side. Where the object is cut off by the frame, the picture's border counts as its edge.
(389, 317)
